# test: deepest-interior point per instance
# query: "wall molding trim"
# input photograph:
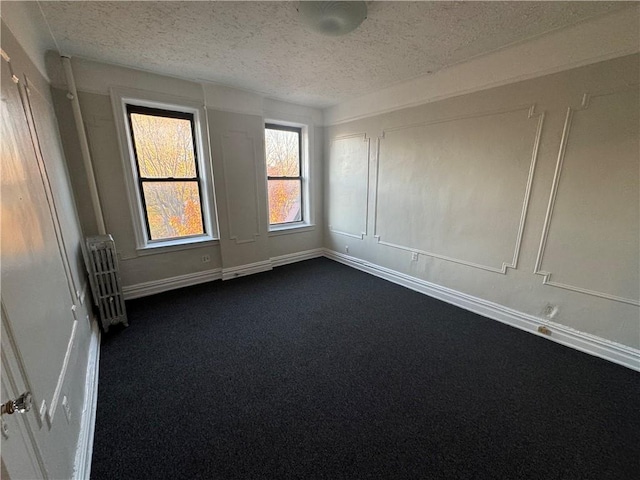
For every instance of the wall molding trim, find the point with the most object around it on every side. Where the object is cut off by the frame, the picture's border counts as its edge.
(513, 263)
(296, 257)
(367, 141)
(84, 450)
(537, 269)
(347, 234)
(247, 269)
(584, 342)
(53, 404)
(158, 286)
(232, 234)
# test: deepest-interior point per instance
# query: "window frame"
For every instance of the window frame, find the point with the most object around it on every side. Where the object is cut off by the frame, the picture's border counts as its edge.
(181, 108)
(300, 177)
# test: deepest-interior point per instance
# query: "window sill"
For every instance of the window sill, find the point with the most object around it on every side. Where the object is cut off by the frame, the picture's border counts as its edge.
(292, 228)
(176, 245)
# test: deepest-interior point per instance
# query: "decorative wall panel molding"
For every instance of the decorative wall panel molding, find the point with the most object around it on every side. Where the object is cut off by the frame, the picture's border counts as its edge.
(349, 185)
(239, 158)
(593, 201)
(441, 186)
(53, 405)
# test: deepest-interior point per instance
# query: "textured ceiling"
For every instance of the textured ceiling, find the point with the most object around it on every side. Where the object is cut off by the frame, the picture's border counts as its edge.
(264, 47)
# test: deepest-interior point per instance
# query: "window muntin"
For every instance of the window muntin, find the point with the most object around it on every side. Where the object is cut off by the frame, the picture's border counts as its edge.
(168, 179)
(283, 153)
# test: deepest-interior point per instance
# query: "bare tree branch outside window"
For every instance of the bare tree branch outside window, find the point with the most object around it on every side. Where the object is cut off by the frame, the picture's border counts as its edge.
(282, 152)
(169, 183)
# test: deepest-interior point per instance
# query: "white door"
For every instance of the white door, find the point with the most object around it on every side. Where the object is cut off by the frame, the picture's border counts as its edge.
(19, 447)
(38, 314)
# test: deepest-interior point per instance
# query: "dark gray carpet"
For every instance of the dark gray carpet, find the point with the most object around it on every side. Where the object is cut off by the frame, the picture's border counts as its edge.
(317, 370)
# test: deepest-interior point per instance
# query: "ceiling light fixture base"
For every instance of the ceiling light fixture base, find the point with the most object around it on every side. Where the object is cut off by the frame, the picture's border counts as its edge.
(333, 18)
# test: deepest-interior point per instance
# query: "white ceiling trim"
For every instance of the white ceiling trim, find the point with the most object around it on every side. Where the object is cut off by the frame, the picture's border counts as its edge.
(603, 38)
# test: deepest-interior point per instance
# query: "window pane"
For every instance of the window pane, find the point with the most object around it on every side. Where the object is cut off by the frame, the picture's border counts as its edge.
(282, 149)
(164, 146)
(173, 209)
(285, 201)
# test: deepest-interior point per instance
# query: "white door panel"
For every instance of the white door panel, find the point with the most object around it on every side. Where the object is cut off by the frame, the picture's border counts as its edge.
(15, 444)
(38, 314)
(21, 455)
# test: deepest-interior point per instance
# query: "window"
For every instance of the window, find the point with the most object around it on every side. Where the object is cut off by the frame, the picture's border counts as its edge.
(283, 153)
(168, 175)
(168, 181)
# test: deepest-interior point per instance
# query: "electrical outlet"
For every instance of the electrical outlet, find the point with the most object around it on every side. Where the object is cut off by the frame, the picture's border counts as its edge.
(414, 256)
(544, 330)
(206, 258)
(346, 248)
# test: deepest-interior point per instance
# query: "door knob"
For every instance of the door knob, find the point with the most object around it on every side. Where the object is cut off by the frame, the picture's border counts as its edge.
(21, 404)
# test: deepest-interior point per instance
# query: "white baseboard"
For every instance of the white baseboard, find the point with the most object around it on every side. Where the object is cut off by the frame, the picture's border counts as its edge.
(591, 344)
(84, 449)
(296, 257)
(157, 286)
(248, 269)
(266, 265)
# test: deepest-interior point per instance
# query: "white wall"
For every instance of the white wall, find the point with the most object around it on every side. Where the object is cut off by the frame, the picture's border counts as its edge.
(236, 124)
(466, 183)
